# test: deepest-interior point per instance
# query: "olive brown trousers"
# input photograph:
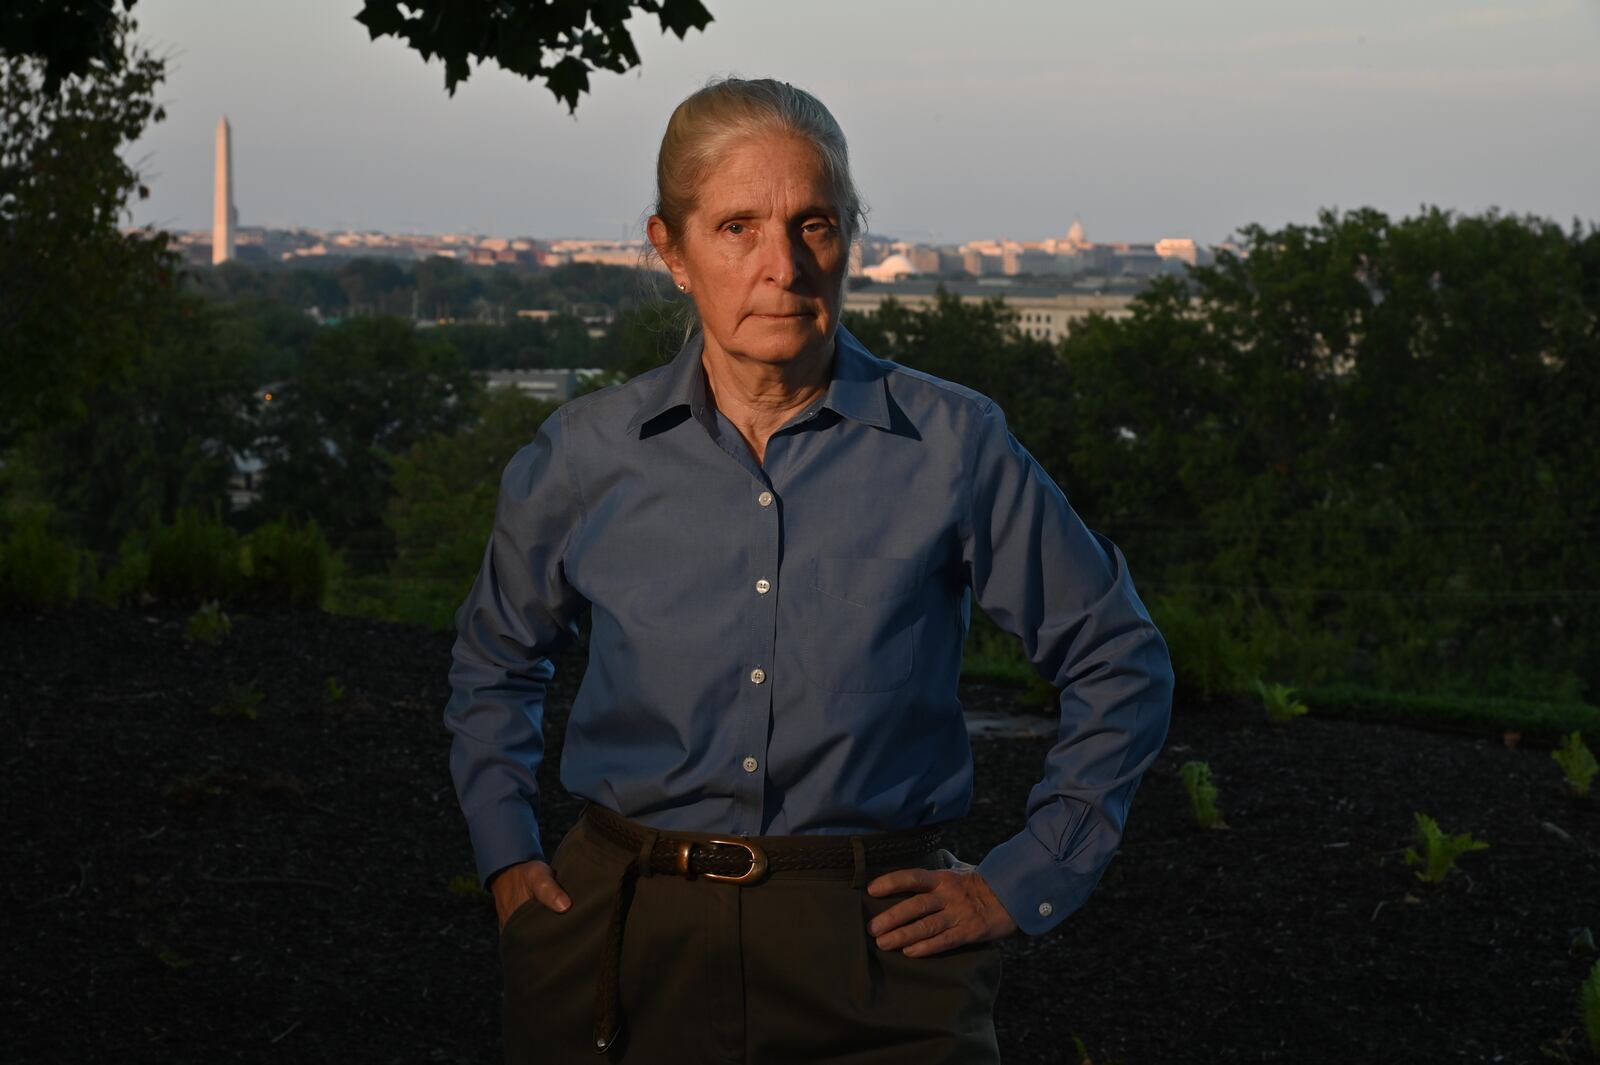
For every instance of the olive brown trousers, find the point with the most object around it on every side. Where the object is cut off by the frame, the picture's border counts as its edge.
(773, 971)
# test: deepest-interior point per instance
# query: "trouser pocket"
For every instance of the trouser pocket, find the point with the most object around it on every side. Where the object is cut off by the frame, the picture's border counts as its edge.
(550, 962)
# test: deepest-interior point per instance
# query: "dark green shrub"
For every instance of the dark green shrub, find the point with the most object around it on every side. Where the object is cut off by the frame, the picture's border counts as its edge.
(415, 600)
(37, 571)
(991, 653)
(288, 564)
(1208, 660)
(128, 576)
(194, 559)
(1490, 716)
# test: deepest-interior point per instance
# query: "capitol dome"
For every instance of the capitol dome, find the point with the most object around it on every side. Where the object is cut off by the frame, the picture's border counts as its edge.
(891, 269)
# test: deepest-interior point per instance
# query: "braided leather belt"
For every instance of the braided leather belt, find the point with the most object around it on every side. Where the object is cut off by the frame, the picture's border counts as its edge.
(746, 859)
(732, 859)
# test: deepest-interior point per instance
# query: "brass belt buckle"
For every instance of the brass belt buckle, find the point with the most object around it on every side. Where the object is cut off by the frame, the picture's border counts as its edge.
(758, 862)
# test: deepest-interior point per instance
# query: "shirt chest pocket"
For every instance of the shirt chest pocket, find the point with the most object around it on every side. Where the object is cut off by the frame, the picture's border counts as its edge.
(860, 616)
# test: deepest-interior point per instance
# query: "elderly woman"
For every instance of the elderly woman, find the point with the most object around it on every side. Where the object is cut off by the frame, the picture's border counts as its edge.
(779, 538)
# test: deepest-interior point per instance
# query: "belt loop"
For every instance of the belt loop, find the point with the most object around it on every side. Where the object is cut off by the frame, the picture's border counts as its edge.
(858, 851)
(645, 850)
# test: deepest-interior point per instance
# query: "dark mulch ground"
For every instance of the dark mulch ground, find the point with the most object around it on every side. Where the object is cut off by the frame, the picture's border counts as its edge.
(189, 887)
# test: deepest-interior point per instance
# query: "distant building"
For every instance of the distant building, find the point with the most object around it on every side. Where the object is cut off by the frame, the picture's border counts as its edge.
(980, 263)
(608, 252)
(1043, 312)
(1183, 250)
(1137, 260)
(555, 385)
(244, 483)
(894, 268)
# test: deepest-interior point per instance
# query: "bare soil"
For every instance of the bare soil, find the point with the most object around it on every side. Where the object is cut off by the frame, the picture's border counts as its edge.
(212, 855)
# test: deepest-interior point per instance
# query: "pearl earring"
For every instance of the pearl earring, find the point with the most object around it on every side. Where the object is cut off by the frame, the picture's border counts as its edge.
(682, 287)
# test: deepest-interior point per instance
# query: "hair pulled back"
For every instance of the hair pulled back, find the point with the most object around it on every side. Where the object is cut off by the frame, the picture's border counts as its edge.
(728, 110)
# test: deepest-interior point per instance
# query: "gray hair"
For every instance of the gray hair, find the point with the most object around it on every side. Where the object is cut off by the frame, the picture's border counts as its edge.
(731, 109)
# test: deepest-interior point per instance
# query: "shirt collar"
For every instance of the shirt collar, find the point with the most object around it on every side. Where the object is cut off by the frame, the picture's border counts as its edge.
(680, 384)
(858, 390)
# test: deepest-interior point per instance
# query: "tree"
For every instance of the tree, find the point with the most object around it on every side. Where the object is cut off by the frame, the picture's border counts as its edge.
(446, 288)
(445, 489)
(69, 38)
(979, 345)
(77, 295)
(368, 390)
(1366, 432)
(159, 433)
(375, 286)
(558, 42)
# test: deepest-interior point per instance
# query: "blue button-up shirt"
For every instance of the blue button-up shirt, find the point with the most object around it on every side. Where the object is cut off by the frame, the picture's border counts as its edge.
(775, 646)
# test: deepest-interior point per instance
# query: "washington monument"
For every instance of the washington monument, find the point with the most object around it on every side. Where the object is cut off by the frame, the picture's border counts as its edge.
(223, 214)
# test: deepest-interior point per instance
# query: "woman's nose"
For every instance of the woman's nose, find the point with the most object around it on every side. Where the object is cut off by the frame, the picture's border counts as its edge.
(782, 258)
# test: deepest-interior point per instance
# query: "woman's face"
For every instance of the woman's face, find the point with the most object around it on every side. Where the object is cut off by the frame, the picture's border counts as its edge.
(762, 254)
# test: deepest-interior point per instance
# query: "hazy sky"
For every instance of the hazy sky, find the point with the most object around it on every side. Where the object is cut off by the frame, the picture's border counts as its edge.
(1006, 118)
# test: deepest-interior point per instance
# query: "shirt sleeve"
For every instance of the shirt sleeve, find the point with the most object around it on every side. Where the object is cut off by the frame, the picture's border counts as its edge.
(1065, 590)
(520, 609)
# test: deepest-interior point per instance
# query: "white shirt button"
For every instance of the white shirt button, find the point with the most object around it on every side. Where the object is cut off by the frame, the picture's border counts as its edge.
(758, 676)
(763, 586)
(750, 764)
(765, 499)
(1045, 909)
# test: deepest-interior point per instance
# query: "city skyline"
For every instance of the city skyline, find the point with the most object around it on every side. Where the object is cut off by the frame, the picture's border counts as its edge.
(1153, 123)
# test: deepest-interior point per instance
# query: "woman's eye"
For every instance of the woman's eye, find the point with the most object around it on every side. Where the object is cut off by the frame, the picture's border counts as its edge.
(735, 228)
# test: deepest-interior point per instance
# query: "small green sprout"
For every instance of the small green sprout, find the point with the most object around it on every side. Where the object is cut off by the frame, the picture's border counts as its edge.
(190, 790)
(171, 958)
(1202, 795)
(209, 625)
(240, 701)
(1082, 1054)
(1282, 706)
(1441, 850)
(1577, 762)
(333, 692)
(467, 887)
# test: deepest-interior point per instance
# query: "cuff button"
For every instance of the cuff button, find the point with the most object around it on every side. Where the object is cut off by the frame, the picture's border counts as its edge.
(1045, 909)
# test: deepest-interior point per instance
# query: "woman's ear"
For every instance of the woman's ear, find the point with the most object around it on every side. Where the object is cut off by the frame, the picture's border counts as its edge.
(661, 240)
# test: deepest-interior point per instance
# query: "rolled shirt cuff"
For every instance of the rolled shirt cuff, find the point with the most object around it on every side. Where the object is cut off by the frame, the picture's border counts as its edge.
(503, 834)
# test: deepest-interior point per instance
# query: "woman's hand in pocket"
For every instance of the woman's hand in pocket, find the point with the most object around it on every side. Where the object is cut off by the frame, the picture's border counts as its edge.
(948, 908)
(516, 884)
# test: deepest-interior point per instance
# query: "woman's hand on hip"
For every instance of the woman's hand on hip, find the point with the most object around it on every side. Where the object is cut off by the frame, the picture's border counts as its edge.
(516, 884)
(948, 908)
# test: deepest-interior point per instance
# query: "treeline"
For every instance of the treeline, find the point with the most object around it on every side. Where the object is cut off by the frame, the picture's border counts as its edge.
(433, 288)
(1366, 452)
(272, 338)
(320, 415)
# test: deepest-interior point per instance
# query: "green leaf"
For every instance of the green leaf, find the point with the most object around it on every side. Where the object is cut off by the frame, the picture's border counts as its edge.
(567, 79)
(681, 16)
(382, 17)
